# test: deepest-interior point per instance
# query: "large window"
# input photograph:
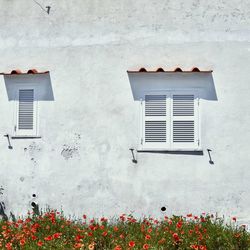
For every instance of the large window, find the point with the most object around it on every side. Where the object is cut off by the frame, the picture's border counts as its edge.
(170, 120)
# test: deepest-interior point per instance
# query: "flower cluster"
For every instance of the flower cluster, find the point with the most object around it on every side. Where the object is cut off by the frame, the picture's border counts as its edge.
(52, 230)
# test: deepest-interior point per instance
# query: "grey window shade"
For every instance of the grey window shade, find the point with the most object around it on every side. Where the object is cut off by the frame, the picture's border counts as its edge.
(155, 131)
(183, 105)
(155, 105)
(26, 109)
(155, 115)
(183, 128)
(183, 131)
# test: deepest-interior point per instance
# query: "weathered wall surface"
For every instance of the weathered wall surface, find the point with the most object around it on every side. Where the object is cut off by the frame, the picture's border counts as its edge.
(83, 162)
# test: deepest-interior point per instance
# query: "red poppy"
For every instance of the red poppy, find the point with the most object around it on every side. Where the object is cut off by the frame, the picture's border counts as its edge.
(179, 224)
(105, 233)
(56, 235)
(39, 243)
(78, 245)
(122, 218)
(33, 237)
(176, 237)
(196, 247)
(147, 237)
(49, 238)
(117, 247)
(203, 219)
(131, 244)
(22, 242)
(203, 247)
(9, 245)
(20, 221)
(104, 219)
(145, 246)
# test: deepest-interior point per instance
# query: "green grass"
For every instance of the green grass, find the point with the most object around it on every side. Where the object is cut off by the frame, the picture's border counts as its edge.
(52, 230)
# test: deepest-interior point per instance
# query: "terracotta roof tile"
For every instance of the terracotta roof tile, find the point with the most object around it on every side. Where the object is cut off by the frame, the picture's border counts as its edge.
(19, 72)
(176, 70)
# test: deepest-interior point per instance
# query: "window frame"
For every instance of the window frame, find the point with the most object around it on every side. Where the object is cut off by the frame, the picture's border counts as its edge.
(23, 133)
(169, 125)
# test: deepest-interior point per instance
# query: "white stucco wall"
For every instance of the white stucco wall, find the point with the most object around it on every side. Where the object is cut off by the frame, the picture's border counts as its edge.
(82, 163)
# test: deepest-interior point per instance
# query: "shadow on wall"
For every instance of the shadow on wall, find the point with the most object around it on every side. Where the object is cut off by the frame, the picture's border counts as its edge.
(2, 206)
(41, 82)
(142, 83)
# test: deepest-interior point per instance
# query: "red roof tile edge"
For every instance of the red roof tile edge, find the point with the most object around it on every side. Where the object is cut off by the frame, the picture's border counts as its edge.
(19, 72)
(193, 70)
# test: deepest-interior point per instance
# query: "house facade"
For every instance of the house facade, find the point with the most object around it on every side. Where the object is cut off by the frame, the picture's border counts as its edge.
(125, 107)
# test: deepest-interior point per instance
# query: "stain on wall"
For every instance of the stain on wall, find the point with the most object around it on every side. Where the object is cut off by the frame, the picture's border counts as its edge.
(71, 149)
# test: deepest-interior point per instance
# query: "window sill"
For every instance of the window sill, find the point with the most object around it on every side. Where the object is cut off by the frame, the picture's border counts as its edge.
(26, 137)
(197, 151)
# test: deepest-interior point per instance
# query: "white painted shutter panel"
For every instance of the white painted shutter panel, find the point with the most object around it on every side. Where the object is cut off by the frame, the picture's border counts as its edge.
(185, 134)
(155, 122)
(26, 117)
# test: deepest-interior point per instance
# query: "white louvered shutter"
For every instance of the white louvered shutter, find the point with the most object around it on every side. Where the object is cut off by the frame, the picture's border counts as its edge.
(26, 112)
(185, 134)
(155, 122)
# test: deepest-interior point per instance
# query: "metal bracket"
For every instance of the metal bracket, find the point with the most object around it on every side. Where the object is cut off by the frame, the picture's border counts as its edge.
(133, 156)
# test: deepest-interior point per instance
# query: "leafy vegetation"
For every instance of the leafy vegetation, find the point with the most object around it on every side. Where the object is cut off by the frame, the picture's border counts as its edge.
(52, 230)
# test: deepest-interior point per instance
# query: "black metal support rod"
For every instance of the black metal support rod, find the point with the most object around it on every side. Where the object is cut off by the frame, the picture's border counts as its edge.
(133, 155)
(8, 138)
(210, 158)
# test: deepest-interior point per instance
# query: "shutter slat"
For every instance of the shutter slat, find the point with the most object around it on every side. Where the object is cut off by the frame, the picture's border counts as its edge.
(155, 105)
(183, 105)
(183, 118)
(155, 131)
(155, 128)
(183, 131)
(26, 109)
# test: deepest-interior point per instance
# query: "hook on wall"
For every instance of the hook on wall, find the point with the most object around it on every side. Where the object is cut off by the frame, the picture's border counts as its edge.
(210, 158)
(133, 155)
(48, 9)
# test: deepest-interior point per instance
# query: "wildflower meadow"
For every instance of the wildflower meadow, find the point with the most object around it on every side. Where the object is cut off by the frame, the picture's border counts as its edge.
(52, 230)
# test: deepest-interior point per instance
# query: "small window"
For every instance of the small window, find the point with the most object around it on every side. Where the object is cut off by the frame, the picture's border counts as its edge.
(170, 121)
(26, 111)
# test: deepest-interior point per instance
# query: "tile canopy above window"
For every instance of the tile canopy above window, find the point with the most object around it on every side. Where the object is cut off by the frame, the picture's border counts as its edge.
(26, 90)
(170, 107)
